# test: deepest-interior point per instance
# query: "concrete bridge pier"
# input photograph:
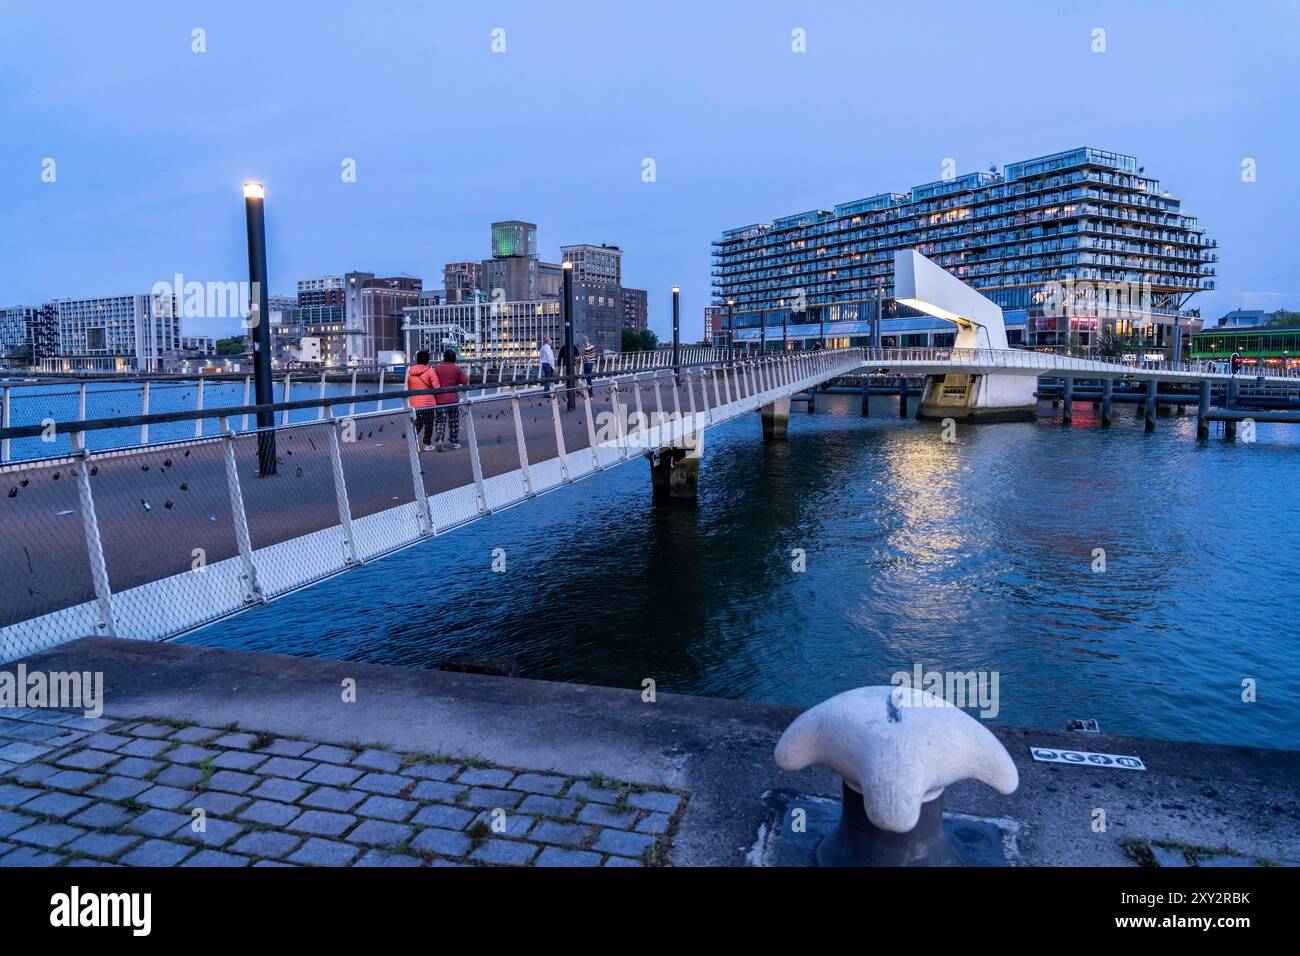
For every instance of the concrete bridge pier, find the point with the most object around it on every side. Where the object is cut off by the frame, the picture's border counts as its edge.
(1107, 399)
(902, 397)
(812, 399)
(675, 471)
(866, 396)
(1150, 407)
(1203, 409)
(776, 418)
(1067, 401)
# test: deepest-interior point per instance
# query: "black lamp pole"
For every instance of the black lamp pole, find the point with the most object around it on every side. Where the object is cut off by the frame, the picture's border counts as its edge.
(677, 369)
(255, 215)
(762, 333)
(571, 401)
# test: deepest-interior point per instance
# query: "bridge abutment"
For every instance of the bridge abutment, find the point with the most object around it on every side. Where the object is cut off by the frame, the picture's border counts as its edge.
(776, 418)
(979, 397)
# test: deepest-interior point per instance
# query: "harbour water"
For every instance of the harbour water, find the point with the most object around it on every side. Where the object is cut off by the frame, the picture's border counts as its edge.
(975, 555)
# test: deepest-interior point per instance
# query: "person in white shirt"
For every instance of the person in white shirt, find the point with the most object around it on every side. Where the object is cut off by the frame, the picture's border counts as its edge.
(547, 358)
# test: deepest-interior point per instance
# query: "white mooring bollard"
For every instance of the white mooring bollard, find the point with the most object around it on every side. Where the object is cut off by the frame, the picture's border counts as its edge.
(896, 748)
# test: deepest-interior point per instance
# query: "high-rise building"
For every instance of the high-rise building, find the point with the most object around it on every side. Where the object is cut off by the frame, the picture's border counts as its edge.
(597, 294)
(125, 333)
(14, 346)
(1072, 246)
(636, 309)
(461, 280)
(715, 324)
(380, 316)
(514, 273)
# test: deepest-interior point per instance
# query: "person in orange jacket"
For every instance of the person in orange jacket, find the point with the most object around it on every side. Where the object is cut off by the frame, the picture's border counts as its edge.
(419, 376)
(449, 375)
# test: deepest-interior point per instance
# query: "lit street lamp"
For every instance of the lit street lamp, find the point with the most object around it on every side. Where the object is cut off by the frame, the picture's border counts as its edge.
(255, 217)
(730, 331)
(677, 370)
(571, 401)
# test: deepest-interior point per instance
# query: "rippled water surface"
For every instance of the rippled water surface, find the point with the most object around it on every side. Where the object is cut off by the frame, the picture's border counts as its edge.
(971, 555)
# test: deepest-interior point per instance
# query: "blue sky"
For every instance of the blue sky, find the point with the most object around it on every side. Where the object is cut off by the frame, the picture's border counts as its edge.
(152, 140)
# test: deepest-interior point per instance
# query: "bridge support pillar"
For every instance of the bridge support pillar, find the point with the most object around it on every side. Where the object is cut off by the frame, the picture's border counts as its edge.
(1067, 401)
(776, 418)
(866, 396)
(1107, 399)
(1203, 409)
(675, 471)
(1150, 416)
(902, 397)
(812, 399)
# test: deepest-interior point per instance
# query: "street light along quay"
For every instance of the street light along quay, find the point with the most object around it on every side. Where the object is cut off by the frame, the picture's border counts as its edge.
(572, 401)
(677, 370)
(730, 305)
(255, 215)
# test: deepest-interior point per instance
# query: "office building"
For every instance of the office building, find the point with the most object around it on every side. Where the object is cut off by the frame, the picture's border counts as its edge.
(125, 333)
(461, 280)
(15, 349)
(1075, 246)
(636, 310)
(597, 294)
(494, 331)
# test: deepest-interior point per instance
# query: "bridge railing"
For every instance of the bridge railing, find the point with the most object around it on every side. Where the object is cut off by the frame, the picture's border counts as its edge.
(23, 403)
(1049, 361)
(150, 541)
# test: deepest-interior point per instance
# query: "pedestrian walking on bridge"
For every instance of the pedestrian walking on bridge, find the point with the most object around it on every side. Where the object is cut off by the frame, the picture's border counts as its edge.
(546, 356)
(419, 376)
(449, 375)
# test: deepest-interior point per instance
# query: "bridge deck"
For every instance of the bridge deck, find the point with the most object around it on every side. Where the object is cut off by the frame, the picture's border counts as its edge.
(168, 524)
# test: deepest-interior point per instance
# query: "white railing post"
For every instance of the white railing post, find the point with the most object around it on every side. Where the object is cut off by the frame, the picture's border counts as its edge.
(144, 412)
(559, 437)
(198, 407)
(81, 402)
(320, 396)
(619, 424)
(676, 430)
(5, 418)
(352, 406)
(591, 429)
(690, 394)
(288, 384)
(726, 383)
(94, 547)
(523, 450)
(248, 385)
(252, 590)
(417, 476)
(476, 464)
(341, 491)
(379, 403)
(640, 412)
(659, 410)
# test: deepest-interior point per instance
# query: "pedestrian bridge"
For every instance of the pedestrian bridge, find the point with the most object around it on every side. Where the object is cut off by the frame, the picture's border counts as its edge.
(153, 540)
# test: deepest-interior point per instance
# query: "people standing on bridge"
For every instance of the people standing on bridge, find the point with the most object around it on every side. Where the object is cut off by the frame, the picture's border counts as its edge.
(449, 375)
(588, 358)
(419, 376)
(547, 357)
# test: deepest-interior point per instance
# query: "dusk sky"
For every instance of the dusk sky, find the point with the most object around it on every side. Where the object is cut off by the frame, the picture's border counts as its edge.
(151, 140)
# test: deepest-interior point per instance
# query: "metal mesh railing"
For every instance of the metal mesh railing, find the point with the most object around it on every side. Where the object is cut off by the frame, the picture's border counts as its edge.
(151, 541)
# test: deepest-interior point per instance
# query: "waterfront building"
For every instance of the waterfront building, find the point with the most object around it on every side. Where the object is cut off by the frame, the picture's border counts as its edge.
(1262, 348)
(380, 317)
(461, 280)
(715, 325)
(495, 331)
(636, 309)
(15, 349)
(124, 333)
(1244, 317)
(1075, 247)
(597, 294)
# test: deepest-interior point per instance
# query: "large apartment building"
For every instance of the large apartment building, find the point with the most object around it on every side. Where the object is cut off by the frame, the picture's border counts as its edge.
(123, 333)
(1074, 246)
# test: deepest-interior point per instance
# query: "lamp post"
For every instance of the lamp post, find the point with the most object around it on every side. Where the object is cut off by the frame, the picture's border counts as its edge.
(677, 370)
(762, 332)
(730, 330)
(570, 401)
(255, 217)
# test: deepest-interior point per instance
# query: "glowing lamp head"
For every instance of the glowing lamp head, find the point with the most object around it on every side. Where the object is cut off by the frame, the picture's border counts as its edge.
(254, 191)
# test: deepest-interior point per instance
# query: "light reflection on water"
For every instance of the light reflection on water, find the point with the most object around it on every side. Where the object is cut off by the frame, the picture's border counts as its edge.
(975, 555)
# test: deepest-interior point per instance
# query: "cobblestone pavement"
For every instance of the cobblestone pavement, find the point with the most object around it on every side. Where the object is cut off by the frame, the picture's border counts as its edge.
(80, 791)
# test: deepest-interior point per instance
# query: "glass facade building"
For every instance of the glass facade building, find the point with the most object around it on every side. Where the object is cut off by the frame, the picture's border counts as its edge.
(1070, 245)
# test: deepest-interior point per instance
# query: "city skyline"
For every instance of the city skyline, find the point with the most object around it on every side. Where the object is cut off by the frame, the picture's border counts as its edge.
(419, 199)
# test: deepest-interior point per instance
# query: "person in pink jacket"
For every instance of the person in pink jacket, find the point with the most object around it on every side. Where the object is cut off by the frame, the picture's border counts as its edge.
(449, 375)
